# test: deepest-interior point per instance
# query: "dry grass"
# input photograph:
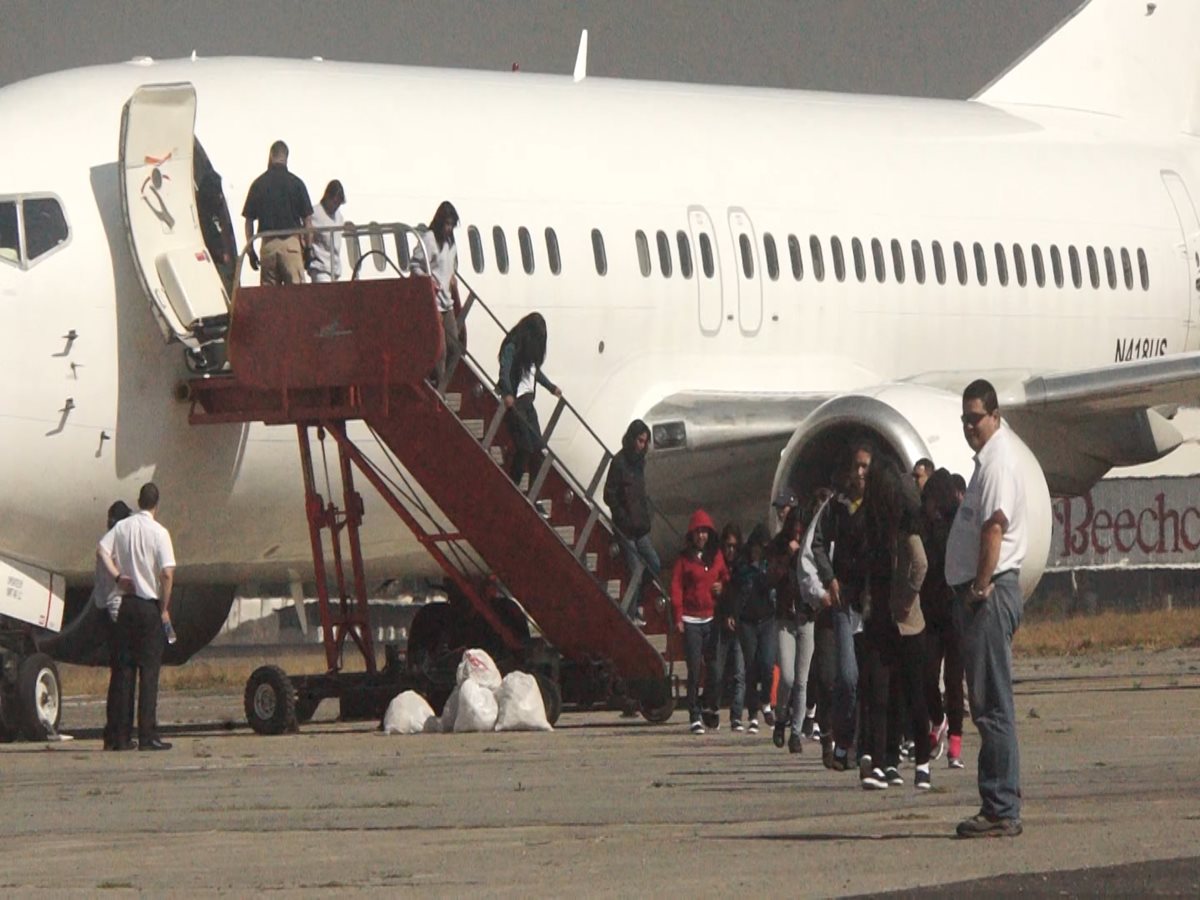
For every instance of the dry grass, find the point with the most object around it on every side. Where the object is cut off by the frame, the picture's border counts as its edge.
(208, 673)
(1081, 635)
(1073, 636)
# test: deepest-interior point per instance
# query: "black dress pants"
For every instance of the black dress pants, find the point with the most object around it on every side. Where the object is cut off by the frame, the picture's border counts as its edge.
(140, 627)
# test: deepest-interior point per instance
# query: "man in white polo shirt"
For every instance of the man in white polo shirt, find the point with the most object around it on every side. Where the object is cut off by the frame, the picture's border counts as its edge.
(986, 547)
(137, 553)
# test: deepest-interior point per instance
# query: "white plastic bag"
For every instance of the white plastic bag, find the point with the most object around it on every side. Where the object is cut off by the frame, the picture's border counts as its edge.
(521, 705)
(478, 666)
(476, 708)
(408, 713)
(449, 712)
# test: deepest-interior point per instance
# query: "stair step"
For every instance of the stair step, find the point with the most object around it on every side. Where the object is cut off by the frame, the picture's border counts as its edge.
(453, 402)
(591, 561)
(475, 426)
(613, 589)
(497, 454)
(566, 532)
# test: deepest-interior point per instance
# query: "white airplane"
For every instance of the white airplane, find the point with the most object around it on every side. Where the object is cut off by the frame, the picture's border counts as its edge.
(760, 274)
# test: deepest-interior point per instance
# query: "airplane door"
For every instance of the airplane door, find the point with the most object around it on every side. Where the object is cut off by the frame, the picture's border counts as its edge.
(746, 264)
(708, 271)
(158, 204)
(1189, 225)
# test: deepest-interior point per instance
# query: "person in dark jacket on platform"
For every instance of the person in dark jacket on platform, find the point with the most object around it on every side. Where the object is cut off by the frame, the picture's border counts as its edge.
(752, 584)
(522, 354)
(627, 501)
(696, 584)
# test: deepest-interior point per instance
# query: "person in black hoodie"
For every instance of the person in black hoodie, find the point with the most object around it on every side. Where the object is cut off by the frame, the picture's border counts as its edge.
(723, 648)
(843, 575)
(755, 605)
(522, 354)
(625, 496)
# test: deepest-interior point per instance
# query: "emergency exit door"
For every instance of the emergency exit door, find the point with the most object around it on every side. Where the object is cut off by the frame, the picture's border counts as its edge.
(710, 309)
(746, 267)
(1189, 226)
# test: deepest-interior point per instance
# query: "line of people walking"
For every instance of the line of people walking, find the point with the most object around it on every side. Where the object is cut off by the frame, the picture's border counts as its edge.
(864, 603)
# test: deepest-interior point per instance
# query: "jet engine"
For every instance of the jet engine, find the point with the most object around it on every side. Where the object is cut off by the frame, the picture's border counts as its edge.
(906, 422)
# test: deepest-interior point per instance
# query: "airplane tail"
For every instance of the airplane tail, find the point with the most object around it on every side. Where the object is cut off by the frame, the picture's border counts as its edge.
(1130, 59)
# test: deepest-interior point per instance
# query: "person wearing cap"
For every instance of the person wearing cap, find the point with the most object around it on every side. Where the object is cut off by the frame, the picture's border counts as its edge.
(325, 258)
(785, 501)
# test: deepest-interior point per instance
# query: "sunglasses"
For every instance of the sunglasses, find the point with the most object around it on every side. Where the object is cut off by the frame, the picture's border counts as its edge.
(973, 418)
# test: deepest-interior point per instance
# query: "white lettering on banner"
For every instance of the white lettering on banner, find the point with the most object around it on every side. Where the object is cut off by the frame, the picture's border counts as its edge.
(1123, 522)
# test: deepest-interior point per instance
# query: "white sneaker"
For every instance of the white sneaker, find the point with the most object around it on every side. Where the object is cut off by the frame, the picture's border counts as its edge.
(697, 727)
(752, 726)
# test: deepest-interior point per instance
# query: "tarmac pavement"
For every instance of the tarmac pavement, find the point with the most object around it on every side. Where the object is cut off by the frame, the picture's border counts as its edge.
(606, 806)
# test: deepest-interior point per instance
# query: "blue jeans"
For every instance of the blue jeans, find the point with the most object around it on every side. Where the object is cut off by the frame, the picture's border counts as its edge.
(987, 630)
(696, 637)
(758, 655)
(724, 649)
(640, 549)
(844, 714)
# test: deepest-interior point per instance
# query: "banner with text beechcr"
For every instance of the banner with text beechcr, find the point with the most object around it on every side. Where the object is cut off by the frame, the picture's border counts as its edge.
(1129, 522)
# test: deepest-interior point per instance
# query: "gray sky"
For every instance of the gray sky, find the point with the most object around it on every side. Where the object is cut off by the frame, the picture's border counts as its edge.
(944, 48)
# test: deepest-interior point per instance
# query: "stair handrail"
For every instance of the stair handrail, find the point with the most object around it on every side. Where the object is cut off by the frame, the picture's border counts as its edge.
(402, 230)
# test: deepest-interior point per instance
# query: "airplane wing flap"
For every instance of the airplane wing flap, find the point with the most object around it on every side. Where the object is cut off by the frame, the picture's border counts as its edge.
(1125, 387)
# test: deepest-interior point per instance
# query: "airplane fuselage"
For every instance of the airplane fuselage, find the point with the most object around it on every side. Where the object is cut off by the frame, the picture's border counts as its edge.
(88, 419)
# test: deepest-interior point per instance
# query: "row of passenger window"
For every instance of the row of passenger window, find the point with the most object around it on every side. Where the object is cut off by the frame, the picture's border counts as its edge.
(900, 258)
(524, 243)
(895, 254)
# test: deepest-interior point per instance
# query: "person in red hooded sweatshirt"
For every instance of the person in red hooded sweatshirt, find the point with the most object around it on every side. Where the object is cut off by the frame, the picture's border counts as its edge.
(699, 576)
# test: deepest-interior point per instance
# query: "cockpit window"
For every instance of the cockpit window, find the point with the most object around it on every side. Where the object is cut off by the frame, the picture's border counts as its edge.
(45, 226)
(10, 234)
(30, 228)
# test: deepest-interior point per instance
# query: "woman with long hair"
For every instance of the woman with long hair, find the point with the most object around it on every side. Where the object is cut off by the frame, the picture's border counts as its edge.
(437, 257)
(522, 354)
(893, 657)
(696, 585)
(939, 505)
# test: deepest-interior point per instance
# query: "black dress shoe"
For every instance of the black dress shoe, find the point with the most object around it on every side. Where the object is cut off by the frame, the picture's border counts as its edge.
(154, 744)
(122, 745)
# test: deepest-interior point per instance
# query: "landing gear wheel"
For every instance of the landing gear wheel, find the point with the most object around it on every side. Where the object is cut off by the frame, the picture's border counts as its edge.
(656, 715)
(39, 697)
(551, 696)
(270, 701)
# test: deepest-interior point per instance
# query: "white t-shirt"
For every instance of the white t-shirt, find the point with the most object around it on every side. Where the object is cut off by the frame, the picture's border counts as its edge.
(104, 591)
(441, 266)
(327, 254)
(141, 549)
(995, 485)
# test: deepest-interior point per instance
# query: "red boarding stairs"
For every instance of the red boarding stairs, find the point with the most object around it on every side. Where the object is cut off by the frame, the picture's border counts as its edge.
(319, 356)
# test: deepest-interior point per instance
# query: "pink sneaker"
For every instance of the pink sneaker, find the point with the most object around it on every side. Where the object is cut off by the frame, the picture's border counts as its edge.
(937, 739)
(955, 752)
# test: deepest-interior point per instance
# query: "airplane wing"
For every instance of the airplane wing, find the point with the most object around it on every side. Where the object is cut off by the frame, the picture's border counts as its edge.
(1078, 424)
(1081, 424)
